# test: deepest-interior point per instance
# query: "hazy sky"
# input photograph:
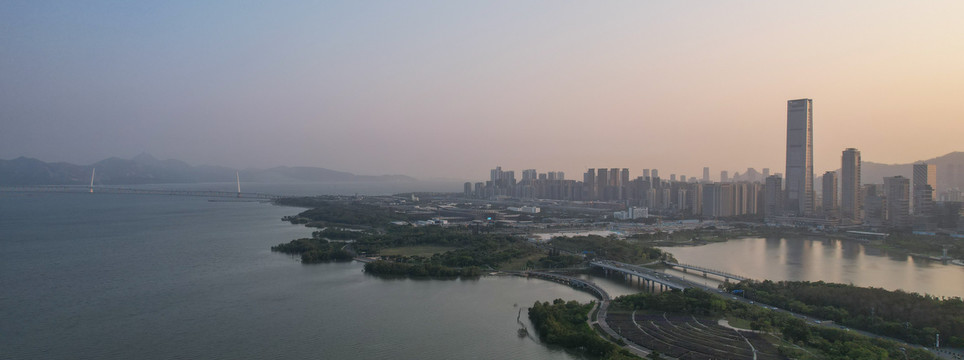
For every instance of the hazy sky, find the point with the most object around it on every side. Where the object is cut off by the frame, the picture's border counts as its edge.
(453, 88)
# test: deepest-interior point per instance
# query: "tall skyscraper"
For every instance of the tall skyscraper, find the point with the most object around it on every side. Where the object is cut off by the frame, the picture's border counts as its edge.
(724, 176)
(897, 210)
(850, 199)
(830, 193)
(706, 174)
(799, 175)
(925, 188)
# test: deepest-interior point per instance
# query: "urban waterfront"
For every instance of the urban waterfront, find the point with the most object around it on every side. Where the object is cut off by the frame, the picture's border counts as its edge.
(123, 276)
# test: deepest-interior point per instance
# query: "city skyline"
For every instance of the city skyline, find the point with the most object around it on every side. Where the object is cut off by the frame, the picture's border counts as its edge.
(447, 90)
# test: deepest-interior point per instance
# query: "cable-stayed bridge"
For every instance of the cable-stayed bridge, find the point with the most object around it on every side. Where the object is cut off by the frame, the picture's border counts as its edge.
(142, 191)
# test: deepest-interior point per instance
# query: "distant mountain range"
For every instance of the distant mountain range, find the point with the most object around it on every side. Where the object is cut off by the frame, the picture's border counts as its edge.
(145, 169)
(950, 171)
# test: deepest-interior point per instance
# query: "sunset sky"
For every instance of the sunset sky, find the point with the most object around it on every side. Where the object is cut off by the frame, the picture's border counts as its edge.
(453, 88)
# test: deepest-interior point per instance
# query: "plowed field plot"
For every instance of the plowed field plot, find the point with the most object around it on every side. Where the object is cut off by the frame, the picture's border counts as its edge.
(688, 337)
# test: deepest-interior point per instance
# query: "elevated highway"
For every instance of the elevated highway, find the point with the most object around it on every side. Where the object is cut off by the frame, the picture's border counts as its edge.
(650, 277)
(706, 271)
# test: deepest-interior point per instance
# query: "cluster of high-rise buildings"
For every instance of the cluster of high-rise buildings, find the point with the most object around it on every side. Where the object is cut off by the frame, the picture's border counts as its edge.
(898, 202)
(675, 195)
(782, 198)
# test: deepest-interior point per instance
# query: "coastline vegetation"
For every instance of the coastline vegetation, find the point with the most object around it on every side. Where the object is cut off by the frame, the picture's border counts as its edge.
(805, 338)
(314, 250)
(907, 316)
(931, 245)
(328, 211)
(420, 269)
(565, 324)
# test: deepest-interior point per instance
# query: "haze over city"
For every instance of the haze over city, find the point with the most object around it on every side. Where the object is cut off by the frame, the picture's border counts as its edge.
(451, 90)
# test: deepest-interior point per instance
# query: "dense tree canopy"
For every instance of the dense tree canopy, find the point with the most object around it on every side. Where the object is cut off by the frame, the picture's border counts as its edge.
(314, 250)
(564, 323)
(907, 316)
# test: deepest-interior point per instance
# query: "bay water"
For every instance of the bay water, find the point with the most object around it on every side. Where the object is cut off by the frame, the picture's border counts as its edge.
(108, 276)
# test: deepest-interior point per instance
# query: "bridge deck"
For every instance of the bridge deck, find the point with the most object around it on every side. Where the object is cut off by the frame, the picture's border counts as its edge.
(708, 271)
(115, 190)
(639, 272)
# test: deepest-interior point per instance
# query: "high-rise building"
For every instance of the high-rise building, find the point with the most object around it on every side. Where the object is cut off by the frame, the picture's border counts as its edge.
(623, 183)
(645, 173)
(508, 178)
(602, 183)
(655, 173)
(766, 173)
(712, 199)
(529, 174)
(872, 204)
(724, 176)
(589, 184)
(897, 210)
(495, 174)
(799, 174)
(706, 174)
(773, 196)
(467, 189)
(925, 188)
(830, 193)
(850, 197)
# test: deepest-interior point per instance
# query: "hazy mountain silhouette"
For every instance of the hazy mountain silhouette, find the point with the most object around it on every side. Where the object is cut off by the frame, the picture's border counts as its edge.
(146, 169)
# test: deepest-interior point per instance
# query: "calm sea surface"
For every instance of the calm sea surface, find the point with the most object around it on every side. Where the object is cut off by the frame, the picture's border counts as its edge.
(100, 276)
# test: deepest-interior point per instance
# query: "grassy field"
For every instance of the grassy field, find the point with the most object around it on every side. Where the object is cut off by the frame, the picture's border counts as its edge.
(738, 322)
(422, 250)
